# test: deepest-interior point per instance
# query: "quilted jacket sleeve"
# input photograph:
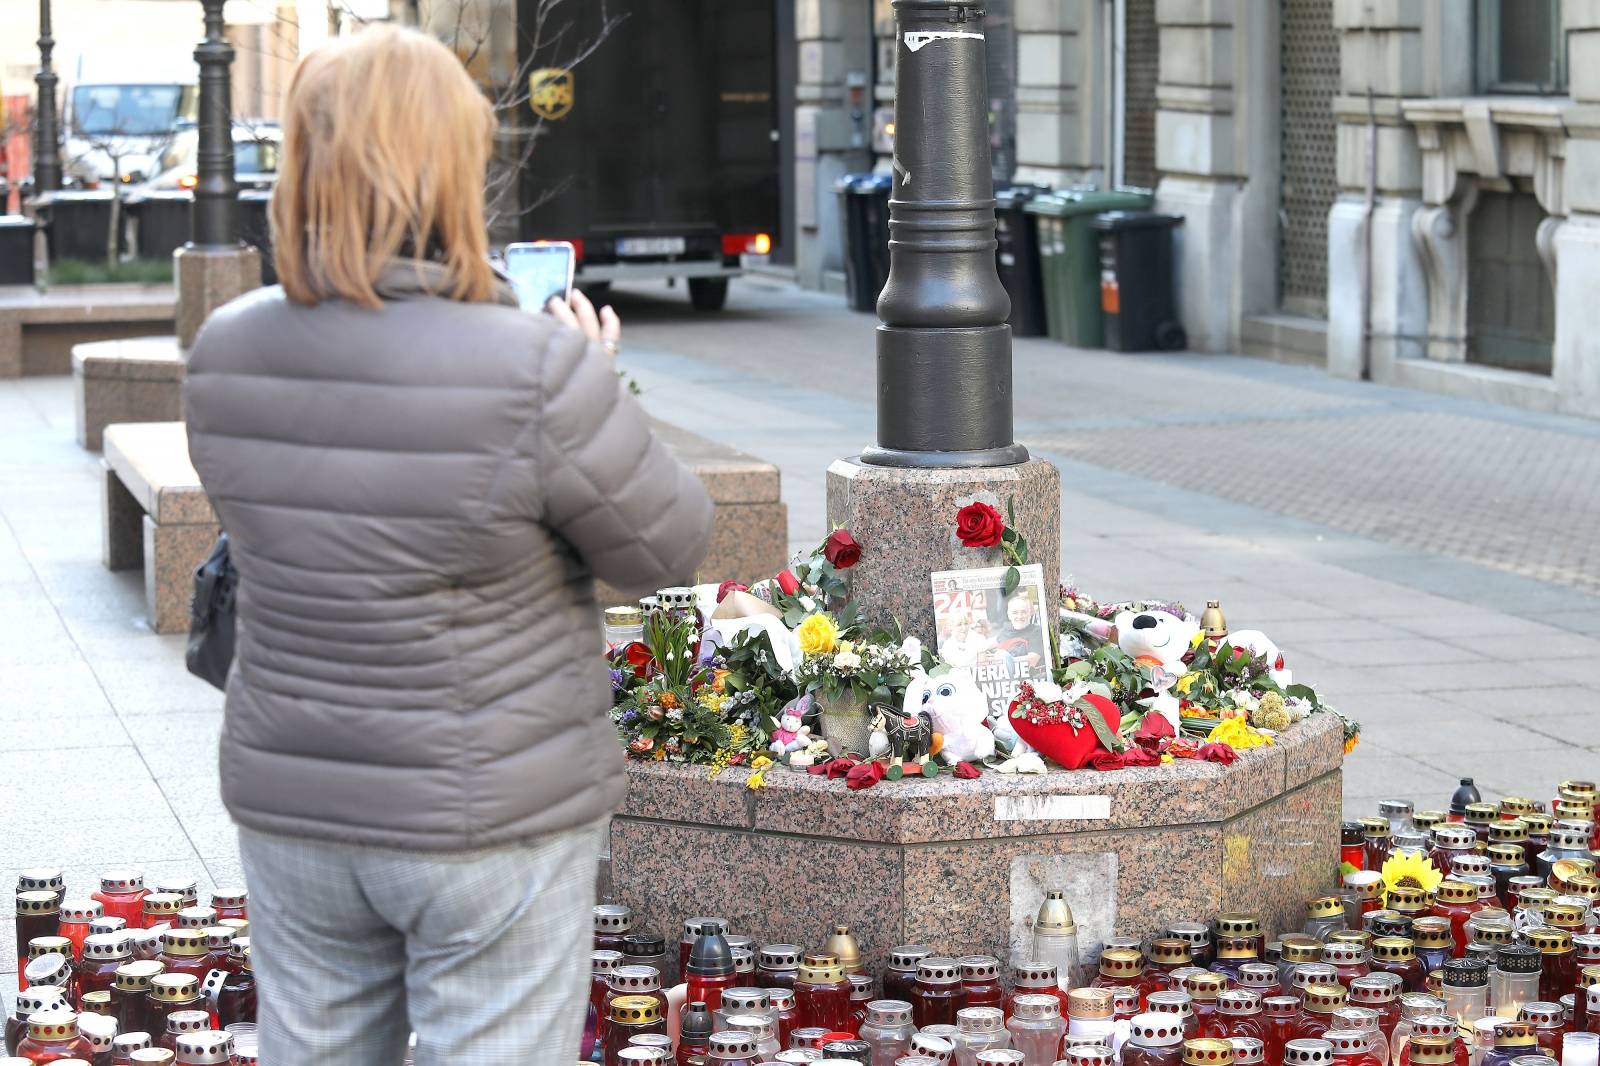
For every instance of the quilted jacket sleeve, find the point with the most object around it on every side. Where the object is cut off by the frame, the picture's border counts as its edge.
(637, 516)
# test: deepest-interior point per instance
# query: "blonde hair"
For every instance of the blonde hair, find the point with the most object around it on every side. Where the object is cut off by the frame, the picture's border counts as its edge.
(386, 144)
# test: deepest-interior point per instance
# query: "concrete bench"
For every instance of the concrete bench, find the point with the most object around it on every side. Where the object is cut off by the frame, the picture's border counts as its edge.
(38, 330)
(156, 515)
(138, 379)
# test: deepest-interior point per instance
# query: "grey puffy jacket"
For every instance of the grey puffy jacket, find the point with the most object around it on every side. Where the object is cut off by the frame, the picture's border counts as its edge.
(419, 500)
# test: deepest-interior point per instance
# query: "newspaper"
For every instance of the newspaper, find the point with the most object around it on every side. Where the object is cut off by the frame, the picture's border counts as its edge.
(1003, 640)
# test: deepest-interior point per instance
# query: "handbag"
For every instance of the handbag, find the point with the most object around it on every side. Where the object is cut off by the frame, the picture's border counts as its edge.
(211, 617)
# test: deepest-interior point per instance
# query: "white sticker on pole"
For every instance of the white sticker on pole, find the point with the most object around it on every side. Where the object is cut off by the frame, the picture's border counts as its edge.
(1051, 808)
(916, 40)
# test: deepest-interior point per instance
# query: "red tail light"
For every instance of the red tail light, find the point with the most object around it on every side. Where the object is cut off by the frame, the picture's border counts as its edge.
(746, 243)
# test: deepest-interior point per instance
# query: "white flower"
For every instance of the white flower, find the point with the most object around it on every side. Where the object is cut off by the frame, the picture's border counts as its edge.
(1048, 691)
(847, 660)
(1244, 699)
(675, 714)
(912, 649)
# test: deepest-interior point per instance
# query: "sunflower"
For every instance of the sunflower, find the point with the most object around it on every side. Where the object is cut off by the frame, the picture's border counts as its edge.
(1410, 869)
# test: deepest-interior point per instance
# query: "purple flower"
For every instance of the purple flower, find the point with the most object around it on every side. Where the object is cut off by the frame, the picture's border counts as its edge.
(629, 717)
(619, 681)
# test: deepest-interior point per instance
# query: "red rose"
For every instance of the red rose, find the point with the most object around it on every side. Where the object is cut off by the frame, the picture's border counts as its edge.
(841, 550)
(728, 588)
(788, 583)
(979, 526)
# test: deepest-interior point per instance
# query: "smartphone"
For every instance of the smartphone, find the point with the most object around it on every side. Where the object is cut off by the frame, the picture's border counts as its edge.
(539, 270)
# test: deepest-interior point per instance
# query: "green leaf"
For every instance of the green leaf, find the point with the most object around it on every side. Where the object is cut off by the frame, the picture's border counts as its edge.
(1077, 670)
(1012, 580)
(882, 693)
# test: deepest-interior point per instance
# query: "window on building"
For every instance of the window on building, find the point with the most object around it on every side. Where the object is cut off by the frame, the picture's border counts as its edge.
(1521, 48)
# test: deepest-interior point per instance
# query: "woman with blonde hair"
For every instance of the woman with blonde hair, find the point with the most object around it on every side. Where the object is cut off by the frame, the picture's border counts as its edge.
(421, 484)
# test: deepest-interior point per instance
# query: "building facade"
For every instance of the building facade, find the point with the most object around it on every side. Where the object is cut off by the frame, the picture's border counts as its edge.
(1401, 190)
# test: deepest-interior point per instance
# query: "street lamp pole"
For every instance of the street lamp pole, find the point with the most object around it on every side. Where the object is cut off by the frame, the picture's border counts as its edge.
(944, 349)
(216, 193)
(46, 135)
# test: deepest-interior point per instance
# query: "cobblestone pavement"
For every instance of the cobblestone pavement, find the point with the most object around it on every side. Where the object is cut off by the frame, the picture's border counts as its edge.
(1388, 540)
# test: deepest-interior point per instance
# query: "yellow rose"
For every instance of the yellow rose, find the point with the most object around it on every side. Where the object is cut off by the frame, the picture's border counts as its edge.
(818, 635)
(1186, 682)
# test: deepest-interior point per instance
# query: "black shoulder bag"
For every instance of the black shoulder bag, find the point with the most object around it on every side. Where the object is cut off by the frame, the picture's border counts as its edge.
(211, 617)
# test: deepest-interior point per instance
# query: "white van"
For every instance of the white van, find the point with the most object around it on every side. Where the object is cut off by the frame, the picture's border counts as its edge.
(126, 122)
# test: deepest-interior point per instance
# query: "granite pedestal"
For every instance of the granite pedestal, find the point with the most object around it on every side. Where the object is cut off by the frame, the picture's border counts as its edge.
(132, 380)
(963, 865)
(39, 330)
(914, 512)
(207, 278)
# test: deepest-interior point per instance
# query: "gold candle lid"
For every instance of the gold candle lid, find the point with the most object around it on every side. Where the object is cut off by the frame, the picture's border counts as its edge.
(1537, 821)
(1236, 947)
(1585, 885)
(1534, 897)
(37, 902)
(1505, 854)
(1432, 932)
(1351, 936)
(136, 976)
(624, 616)
(1170, 951)
(1508, 831)
(1589, 976)
(45, 945)
(167, 903)
(1090, 1003)
(1480, 813)
(1457, 892)
(1300, 949)
(1208, 1051)
(98, 1001)
(1426, 820)
(1238, 923)
(1550, 941)
(185, 943)
(1566, 916)
(174, 987)
(635, 1010)
(1374, 827)
(1510, 1033)
(1121, 962)
(1407, 899)
(843, 946)
(1205, 986)
(1323, 999)
(1433, 1050)
(1393, 948)
(1055, 914)
(1331, 906)
(1515, 805)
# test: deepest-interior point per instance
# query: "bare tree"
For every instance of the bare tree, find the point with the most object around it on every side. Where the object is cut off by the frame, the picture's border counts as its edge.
(518, 66)
(116, 145)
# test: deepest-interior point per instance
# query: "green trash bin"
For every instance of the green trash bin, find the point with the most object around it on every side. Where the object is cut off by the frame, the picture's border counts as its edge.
(1069, 251)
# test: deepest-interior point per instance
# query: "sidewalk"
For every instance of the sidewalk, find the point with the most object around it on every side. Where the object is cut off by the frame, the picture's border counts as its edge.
(1268, 487)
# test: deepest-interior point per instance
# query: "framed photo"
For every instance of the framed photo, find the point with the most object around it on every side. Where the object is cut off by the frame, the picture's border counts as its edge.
(1003, 640)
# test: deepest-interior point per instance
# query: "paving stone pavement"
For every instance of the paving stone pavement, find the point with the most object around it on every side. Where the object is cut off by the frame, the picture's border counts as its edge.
(1270, 487)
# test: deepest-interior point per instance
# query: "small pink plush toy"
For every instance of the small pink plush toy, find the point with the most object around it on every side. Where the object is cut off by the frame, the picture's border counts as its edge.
(792, 733)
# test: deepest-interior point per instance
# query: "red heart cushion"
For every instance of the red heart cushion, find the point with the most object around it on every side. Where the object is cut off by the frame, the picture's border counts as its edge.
(1059, 743)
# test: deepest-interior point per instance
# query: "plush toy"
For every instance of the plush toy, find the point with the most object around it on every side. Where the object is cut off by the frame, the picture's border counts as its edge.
(1159, 640)
(792, 733)
(959, 712)
(1261, 647)
(910, 735)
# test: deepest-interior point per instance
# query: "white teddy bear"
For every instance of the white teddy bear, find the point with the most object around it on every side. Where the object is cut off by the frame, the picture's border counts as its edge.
(1159, 640)
(1260, 646)
(959, 712)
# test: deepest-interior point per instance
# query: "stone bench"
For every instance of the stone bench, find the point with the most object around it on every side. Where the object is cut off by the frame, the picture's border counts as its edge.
(38, 330)
(156, 515)
(138, 379)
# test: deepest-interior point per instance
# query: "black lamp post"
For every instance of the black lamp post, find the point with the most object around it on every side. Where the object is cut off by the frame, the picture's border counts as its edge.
(216, 193)
(46, 135)
(944, 349)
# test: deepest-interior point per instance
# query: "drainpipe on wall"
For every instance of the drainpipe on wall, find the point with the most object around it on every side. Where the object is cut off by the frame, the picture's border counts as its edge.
(1369, 205)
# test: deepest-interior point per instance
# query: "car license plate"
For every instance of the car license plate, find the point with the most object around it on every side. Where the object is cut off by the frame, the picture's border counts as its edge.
(642, 246)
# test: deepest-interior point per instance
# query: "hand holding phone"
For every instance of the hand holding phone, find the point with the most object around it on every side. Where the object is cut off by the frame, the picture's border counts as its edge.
(577, 312)
(540, 270)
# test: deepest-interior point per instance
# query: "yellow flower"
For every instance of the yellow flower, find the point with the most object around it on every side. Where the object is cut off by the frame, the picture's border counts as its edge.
(1166, 760)
(1410, 869)
(757, 779)
(1350, 745)
(1238, 734)
(818, 635)
(1198, 637)
(1186, 682)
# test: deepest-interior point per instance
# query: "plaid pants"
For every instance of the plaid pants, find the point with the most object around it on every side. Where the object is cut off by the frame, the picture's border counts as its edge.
(485, 954)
